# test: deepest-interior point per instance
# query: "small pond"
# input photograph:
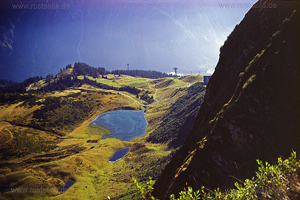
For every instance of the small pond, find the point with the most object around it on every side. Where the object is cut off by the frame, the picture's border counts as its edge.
(118, 154)
(67, 185)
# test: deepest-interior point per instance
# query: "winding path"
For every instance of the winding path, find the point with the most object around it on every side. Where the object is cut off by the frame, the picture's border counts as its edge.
(11, 134)
(154, 94)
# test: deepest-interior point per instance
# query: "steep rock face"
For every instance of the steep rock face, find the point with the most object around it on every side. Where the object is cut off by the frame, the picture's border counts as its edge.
(250, 109)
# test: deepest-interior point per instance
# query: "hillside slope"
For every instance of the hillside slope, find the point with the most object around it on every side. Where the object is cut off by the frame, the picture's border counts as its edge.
(46, 135)
(250, 110)
(180, 118)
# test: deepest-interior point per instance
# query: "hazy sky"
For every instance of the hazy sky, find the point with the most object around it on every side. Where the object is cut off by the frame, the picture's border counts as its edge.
(150, 35)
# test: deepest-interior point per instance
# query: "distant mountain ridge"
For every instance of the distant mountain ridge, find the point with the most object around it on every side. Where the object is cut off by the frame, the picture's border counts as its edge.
(251, 106)
(5, 83)
(67, 77)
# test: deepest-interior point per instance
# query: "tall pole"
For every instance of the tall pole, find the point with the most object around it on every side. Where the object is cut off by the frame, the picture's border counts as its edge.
(175, 69)
(128, 66)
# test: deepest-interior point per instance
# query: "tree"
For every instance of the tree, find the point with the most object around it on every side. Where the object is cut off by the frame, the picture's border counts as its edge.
(49, 76)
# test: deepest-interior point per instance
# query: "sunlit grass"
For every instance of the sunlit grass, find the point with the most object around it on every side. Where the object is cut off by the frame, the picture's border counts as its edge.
(82, 154)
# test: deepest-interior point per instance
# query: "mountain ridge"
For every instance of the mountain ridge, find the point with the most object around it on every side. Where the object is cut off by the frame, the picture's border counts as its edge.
(243, 105)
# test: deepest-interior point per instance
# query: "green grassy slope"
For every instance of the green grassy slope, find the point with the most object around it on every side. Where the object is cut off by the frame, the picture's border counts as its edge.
(180, 118)
(46, 139)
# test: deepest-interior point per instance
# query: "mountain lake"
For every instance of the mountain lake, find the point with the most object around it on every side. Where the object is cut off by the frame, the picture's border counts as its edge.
(123, 124)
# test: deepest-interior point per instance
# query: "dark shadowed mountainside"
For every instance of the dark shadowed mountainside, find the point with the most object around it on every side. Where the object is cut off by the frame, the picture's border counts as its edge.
(251, 106)
(180, 118)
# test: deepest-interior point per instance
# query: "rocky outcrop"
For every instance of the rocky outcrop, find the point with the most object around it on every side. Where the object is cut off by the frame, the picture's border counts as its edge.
(250, 110)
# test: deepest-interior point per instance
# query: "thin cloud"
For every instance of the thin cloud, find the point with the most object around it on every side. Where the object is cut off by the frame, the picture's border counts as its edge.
(185, 29)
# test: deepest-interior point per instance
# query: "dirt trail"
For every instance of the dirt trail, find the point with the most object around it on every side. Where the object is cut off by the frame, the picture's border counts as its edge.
(154, 94)
(11, 134)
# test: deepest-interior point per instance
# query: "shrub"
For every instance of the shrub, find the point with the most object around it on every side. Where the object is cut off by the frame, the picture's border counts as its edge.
(271, 182)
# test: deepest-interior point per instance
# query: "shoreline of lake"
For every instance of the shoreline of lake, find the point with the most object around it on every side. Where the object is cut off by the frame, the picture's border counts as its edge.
(123, 124)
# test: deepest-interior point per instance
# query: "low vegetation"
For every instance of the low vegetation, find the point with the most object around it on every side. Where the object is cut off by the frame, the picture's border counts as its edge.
(47, 138)
(180, 117)
(20, 87)
(271, 182)
(63, 113)
(25, 141)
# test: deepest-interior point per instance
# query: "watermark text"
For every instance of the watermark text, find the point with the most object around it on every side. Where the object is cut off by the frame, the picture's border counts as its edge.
(248, 5)
(259, 190)
(37, 190)
(41, 6)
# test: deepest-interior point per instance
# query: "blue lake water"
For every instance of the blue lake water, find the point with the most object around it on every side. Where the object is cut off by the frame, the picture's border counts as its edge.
(118, 154)
(67, 185)
(123, 124)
